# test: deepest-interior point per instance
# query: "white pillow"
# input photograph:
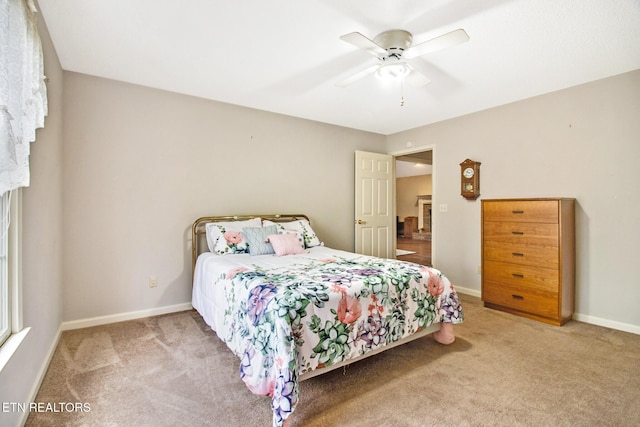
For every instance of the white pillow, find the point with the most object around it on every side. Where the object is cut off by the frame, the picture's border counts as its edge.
(300, 227)
(226, 237)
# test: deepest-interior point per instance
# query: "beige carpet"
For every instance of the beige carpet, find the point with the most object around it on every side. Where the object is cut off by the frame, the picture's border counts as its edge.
(503, 370)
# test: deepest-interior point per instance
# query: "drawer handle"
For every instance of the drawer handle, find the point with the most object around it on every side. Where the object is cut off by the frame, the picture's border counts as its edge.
(517, 212)
(516, 254)
(517, 296)
(518, 233)
(519, 276)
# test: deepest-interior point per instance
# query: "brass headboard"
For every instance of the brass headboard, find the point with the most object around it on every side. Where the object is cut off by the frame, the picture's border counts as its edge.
(198, 230)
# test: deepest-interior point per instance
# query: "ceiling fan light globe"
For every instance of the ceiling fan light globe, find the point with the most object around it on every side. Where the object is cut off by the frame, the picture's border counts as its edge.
(393, 72)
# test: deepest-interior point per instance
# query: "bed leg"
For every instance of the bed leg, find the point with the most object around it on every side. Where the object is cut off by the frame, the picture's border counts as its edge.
(445, 334)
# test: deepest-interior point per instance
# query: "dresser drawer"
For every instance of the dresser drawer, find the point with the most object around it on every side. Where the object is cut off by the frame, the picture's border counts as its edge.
(520, 253)
(521, 233)
(542, 303)
(521, 210)
(545, 279)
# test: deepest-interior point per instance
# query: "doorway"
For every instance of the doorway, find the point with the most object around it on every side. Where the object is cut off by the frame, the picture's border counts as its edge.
(414, 184)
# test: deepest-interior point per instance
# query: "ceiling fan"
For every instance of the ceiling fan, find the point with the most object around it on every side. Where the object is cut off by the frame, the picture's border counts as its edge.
(393, 48)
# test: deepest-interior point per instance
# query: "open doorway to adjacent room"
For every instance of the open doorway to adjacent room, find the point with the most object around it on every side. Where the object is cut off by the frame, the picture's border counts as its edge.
(413, 206)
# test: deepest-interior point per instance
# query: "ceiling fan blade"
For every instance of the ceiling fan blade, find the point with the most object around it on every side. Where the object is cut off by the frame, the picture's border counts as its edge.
(357, 76)
(362, 42)
(441, 42)
(416, 78)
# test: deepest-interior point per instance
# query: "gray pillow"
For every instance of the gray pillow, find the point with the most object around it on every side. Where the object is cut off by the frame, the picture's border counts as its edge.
(256, 238)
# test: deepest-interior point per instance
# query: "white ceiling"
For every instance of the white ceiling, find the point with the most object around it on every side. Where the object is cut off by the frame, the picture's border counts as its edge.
(285, 56)
(407, 169)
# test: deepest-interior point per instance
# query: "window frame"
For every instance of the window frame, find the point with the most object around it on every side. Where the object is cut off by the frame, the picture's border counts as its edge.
(13, 284)
(6, 303)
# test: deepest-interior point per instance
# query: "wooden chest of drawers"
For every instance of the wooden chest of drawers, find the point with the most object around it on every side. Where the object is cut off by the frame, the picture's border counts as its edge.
(528, 257)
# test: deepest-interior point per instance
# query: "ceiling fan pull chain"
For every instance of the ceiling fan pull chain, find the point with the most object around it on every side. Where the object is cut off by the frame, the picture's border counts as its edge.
(402, 93)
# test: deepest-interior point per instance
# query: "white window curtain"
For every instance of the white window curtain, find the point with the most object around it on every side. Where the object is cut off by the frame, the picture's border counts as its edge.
(23, 94)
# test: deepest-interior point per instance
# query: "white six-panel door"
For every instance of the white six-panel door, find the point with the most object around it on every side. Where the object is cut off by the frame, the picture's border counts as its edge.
(374, 203)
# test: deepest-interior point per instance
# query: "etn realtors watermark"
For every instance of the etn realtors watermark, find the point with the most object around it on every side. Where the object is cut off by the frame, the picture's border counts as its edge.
(46, 407)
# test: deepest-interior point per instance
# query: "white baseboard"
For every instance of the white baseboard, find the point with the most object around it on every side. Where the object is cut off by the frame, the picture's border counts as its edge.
(611, 324)
(585, 318)
(113, 318)
(468, 291)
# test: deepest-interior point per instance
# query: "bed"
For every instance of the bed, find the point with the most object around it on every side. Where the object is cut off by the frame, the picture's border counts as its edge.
(291, 308)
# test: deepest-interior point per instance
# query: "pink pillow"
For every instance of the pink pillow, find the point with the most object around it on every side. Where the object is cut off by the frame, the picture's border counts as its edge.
(285, 244)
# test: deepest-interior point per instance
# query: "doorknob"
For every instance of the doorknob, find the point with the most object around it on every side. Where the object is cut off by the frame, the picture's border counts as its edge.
(361, 222)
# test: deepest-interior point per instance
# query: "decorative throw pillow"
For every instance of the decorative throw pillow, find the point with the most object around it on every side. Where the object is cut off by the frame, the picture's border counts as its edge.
(301, 227)
(226, 238)
(256, 238)
(298, 235)
(286, 244)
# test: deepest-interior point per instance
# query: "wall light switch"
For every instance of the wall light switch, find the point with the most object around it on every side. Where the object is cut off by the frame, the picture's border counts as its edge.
(153, 281)
(444, 207)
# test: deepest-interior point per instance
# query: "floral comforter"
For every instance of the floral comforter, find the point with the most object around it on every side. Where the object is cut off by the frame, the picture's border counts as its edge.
(284, 316)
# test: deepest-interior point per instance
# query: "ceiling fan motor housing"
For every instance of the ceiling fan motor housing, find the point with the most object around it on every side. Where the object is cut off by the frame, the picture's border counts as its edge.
(394, 42)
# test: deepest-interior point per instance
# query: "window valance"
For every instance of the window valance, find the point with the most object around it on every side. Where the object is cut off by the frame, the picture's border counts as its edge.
(23, 94)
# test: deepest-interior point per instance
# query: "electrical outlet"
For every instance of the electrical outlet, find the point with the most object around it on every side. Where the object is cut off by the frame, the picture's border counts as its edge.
(153, 281)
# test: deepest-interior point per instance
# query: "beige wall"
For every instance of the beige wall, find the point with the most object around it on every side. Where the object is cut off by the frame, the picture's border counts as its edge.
(407, 190)
(41, 251)
(142, 164)
(582, 142)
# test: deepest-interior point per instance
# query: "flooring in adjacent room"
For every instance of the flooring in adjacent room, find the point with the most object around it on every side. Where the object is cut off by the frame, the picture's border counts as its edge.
(421, 247)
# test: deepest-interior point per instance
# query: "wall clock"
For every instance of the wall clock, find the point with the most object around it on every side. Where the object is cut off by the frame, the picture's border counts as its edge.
(470, 179)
